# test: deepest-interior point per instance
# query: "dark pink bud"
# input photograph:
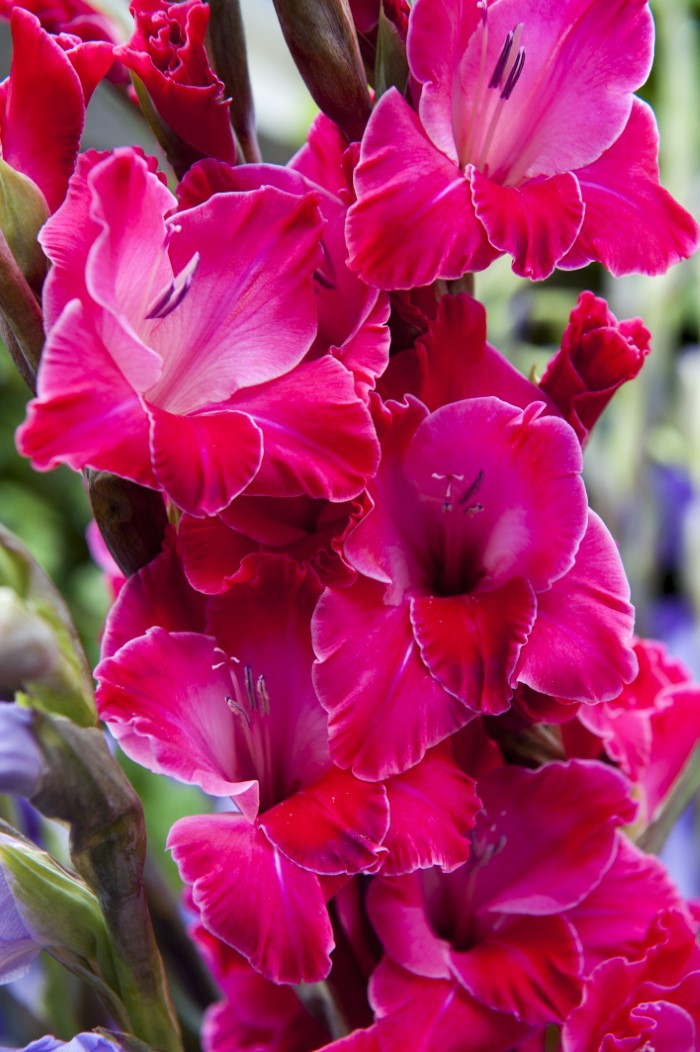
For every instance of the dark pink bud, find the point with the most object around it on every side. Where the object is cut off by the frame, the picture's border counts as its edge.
(598, 354)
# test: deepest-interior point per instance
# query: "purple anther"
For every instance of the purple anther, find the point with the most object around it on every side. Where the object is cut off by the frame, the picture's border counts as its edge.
(514, 75)
(499, 69)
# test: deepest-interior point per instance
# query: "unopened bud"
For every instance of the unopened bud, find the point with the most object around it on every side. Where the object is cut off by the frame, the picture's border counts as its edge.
(23, 211)
(47, 908)
(28, 648)
(321, 38)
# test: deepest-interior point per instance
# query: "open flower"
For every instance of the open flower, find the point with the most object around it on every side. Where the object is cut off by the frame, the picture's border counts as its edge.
(527, 141)
(480, 567)
(192, 332)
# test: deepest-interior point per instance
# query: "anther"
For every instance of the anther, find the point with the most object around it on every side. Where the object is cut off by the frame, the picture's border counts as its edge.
(249, 687)
(238, 710)
(175, 292)
(500, 66)
(514, 75)
(263, 696)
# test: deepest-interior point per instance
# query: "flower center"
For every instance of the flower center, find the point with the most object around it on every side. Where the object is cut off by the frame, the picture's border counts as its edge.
(490, 97)
(250, 704)
(456, 560)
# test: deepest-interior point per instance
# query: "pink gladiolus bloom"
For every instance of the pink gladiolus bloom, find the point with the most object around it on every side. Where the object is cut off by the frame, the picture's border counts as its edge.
(234, 712)
(481, 567)
(137, 291)
(649, 1003)
(598, 354)
(42, 103)
(527, 141)
(167, 53)
(490, 944)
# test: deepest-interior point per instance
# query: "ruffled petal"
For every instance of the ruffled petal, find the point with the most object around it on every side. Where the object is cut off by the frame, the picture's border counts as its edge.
(631, 225)
(203, 462)
(413, 220)
(580, 647)
(383, 715)
(433, 807)
(471, 643)
(536, 223)
(86, 413)
(318, 436)
(253, 898)
(334, 826)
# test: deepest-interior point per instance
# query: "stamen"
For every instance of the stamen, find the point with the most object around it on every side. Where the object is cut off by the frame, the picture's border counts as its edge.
(263, 696)
(471, 509)
(175, 292)
(249, 688)
(325, 274)
(238, 710)
(514, 75)
(500, 66)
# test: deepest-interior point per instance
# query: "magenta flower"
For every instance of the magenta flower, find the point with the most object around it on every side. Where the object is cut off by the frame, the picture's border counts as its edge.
(481, 567)
(489, 951)
(527, 141)
(137, 292)
(167, 53)
(235, 713)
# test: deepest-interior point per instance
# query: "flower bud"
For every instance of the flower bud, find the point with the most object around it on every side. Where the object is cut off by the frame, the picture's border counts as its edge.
(40, 651)
(323, 43)
(28, 648)
(43, 906)
(23, 211)
(598, 354)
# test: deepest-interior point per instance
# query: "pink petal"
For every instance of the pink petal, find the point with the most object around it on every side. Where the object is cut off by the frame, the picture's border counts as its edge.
(192, 457)
(583, 61)
(631, 223)
(438, 37)
(334, 826)
(86, 414)
(581, 645)
(413, 220)
(471, 643)
(164, 698)
(397, 910)
(321, 158)
(253, 898)
(263, 622)
(433, 807)
(91, 60)
(614, 919)
(536, 223)
(556, 868)
(382, 715)
(127, 263)
(529, 967)
(429, 1014)
(211, 553)
(529, 511)
(157, 596)
(45, 109)
(238, 299)
(318, 436)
